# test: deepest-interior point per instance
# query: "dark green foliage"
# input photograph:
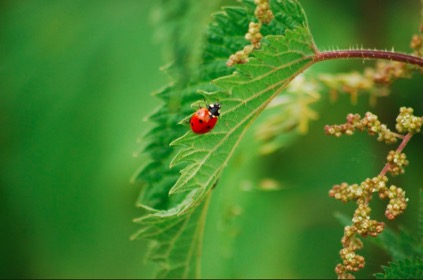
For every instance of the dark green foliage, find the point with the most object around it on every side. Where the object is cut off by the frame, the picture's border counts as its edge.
(403, 269)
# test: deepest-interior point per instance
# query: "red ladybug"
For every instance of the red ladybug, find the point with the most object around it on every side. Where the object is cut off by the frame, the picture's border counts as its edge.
(205, 118)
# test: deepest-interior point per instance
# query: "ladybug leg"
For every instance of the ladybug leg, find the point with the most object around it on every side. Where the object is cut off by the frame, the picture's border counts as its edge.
(199, 104)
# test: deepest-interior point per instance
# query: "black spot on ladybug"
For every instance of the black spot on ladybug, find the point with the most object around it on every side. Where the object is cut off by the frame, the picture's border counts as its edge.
(201, 121)
(208, 126)
(192, 123)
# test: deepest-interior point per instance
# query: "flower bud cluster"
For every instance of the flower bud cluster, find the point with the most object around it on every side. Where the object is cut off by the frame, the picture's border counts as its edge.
(373, 80)
(397, 162)
(407, 122)
(351, 261)
(386, 72)
(417, 44)
(240, 57)
(263, 12)
(370, 123)
(362, 224)
(264, 16)
(350, 240)
(341, 271)
(345, 192)
(397, 202)
(254, 35)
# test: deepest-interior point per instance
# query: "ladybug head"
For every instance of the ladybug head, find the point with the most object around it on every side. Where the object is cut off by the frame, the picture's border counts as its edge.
(214, 109)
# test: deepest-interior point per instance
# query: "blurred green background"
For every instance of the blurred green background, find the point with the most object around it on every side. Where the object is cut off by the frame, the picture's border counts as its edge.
(75, 84)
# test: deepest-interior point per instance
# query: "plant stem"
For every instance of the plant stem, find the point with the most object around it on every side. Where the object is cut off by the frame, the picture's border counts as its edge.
(369, 54)
(401, 147)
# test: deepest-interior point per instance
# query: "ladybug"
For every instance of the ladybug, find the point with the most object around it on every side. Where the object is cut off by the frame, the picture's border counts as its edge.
(205, 118)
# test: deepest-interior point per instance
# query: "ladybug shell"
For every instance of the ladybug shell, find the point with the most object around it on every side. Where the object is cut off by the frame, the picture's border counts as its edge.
(202, 121)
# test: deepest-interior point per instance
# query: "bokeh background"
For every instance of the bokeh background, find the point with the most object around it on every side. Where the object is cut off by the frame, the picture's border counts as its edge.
(75, 86)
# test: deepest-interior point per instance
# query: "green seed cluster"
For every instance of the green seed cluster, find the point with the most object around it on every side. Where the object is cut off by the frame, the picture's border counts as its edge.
(407, 122)
(369, 123)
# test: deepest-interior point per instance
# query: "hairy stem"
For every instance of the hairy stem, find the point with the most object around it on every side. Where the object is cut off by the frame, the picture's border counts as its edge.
(401, 147)
(369, 54)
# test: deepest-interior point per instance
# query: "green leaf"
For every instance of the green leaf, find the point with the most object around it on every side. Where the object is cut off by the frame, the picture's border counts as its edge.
(403, 269)
(400, 245)
(243, 96)
(175, 222)
(182, 38)
(177, 241)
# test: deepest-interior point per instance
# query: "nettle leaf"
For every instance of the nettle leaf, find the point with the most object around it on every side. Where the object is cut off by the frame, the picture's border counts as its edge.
(177, 241)
(411, 268)
(243, 96)
(173, 24)
(175, 198)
